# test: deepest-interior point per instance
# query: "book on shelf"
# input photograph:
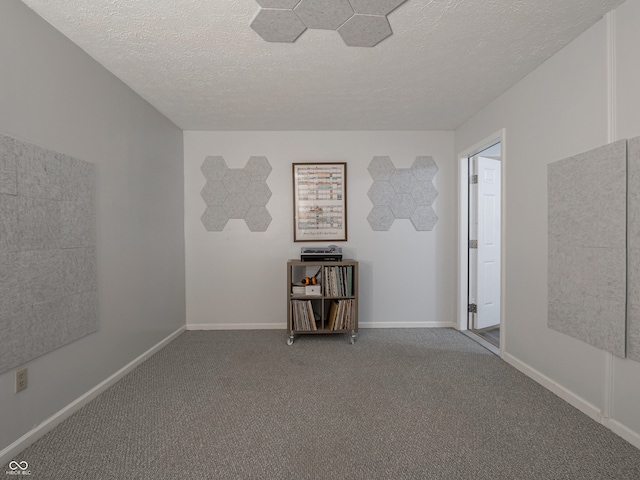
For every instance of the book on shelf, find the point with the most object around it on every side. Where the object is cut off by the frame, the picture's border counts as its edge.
(338, 280)
(333, 311)
(341, 314)
(303, 316)
(298, 289)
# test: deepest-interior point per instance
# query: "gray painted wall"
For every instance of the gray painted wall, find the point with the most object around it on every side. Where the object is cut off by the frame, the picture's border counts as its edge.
(425, 296)
(547, 118)
(54, 95)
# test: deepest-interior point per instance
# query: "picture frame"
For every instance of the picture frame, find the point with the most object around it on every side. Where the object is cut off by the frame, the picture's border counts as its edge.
(320, 202)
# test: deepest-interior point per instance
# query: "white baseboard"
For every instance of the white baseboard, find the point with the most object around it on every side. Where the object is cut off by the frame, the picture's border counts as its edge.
(283, 326)
(406, 325)
(581, 404)
(236, 326)
(625, 432)
(49, 424)
(567, 395)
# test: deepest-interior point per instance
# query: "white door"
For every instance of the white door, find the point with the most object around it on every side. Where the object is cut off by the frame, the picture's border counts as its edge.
(487, 255)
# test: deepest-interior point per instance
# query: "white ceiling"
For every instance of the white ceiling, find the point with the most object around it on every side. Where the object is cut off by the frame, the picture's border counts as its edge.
(200, 63)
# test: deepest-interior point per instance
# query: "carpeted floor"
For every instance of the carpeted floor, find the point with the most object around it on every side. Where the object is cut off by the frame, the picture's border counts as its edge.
(399, 404)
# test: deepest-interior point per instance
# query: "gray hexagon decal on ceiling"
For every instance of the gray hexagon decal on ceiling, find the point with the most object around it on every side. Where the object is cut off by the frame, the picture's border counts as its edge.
(324, 14)
(365, 30)
(375, 7)
(278, 25)
(360, 23)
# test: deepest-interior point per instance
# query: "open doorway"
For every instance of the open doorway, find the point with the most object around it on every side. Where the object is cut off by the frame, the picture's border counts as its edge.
(483, 278)
(480, 291)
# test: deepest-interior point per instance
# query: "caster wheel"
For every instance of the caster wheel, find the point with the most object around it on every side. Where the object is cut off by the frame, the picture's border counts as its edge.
(290, 341)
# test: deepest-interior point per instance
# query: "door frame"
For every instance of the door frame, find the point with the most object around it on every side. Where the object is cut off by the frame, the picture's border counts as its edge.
(463, 231)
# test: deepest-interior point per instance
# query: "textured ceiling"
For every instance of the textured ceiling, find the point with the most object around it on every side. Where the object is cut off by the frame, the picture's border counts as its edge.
(200, 63)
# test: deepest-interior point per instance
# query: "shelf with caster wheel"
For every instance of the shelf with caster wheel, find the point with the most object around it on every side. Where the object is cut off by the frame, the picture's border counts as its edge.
(322, 298)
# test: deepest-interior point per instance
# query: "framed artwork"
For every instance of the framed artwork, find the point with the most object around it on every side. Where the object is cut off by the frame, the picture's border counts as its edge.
(319, 202)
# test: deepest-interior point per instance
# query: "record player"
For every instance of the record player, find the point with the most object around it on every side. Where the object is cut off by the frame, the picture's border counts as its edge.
(332, 253)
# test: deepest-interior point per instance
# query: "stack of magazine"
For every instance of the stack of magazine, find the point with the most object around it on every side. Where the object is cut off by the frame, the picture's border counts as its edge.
(341, 315)
(338, 281)
(302, 315)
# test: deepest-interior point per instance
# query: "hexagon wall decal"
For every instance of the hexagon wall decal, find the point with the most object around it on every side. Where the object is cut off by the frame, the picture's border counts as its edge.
(424, 193)
(402, 205)
(365, 30)
(375, 7)
(258, 219)
(238, 193)
(424, 219)
(403, 180)
(258, 168)
(424, 168)
(278, 25)
(213, 192)
(214, 168)
(360, 23)
(214, 219)
(381, 168)
(381, 218)
(402, 193)
(278, 3)
(381, 193)
(324, 14)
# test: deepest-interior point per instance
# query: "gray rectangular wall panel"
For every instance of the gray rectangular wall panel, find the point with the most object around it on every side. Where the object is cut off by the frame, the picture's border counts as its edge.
(41, 276)
(77, 224)
(633, 264)
(8, 166)
(15, 330)
(595, 321)
(8, 223)
(47, 325)
(593, 272)
(48, 277)
(587, 197)
(39, 172)
(9, 287)
(587, 203)
(39, 223)
(633, 215)
(633, 332)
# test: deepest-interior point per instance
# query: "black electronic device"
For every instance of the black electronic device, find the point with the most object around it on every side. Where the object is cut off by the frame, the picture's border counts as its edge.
(332, 253)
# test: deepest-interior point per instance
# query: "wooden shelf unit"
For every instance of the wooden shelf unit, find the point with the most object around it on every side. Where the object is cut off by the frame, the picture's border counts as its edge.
(334, 309)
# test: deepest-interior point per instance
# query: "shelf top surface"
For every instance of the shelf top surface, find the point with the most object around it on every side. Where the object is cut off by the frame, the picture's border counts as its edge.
(323, 262)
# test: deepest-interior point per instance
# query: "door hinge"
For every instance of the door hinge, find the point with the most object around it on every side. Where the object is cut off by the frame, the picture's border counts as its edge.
(473, 180)
(473, 243)
(473, 308)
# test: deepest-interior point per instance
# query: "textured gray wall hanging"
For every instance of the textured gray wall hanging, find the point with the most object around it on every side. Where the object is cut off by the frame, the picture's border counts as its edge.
(48, 286)
(360, 23)
(633, 251)
(402, 193)
(240, 193)
(587, 197)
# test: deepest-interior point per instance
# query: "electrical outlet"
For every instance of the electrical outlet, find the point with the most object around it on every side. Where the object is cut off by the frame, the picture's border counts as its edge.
(21, 380)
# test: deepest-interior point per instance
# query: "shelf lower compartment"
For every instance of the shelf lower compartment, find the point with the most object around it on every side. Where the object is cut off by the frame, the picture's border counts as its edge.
(321, 331)
(319, 297)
